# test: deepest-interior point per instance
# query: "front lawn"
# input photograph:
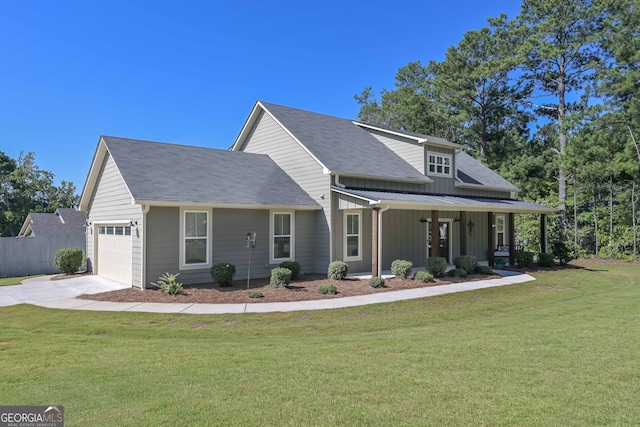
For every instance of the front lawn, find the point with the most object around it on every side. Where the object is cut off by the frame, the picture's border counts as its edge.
(562, 350)
(10, 281)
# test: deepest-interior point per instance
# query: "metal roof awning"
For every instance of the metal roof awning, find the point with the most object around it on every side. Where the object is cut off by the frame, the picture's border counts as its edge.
(443, 203)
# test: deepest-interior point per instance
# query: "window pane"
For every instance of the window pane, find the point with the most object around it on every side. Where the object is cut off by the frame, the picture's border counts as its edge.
(281, 224)
(127, 230)
(201, 225)
(195, 251)
(281, 247)
(119, 231)
(447, 160)
(352, 224)
(109, 230)
(191, 219)
(352, 246)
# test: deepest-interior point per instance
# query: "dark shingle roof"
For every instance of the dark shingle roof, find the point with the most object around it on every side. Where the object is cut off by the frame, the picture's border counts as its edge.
(51, 224)
(342, 146)
(162, 172)
(471, 171)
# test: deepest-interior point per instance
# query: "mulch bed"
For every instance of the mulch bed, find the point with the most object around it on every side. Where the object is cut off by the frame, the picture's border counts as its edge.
(303, 289)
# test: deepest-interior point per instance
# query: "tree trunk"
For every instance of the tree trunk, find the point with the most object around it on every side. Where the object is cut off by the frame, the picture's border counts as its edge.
(595, 219)
(610, 209)
(575, 212)
(562, 145)
(633, 214)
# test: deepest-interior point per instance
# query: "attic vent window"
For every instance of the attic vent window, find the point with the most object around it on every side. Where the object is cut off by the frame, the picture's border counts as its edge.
(439, 164)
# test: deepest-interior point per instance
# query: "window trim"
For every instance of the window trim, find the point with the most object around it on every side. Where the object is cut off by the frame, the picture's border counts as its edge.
(272, 236)
(443, 156)
(182, 237)
(504, 231)
(345, 236)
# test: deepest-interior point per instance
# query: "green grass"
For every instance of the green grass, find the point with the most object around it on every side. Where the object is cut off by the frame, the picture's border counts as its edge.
(9, 281)
(562, 350)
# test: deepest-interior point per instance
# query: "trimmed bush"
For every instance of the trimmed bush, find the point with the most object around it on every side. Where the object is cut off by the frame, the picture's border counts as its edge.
(563, 251)
(424, 277)
(223, 273)
(68, 260)
(255, 294)
(436, 266)
(401, 268)
(338, 270)
(545, 259)
(280, 277)
(467, 262)
(484, 269)
(328, 288)
(457, 272)
(524, 259)
(293, 266)
(376, 282)
(168, 283)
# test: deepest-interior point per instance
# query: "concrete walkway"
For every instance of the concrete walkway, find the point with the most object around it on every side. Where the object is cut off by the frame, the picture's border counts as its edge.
(62, 294)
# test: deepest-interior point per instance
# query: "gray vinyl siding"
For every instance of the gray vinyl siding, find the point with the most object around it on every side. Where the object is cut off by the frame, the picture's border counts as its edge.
(477, 241)
(111, 201)
(163, 234)
(343, 201)
(268, 137)
(382, 185)
(363, 265)
(409, 150)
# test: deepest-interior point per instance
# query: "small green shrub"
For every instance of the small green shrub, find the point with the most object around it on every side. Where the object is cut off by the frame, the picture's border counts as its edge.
(484, 269)
(223, 273)
(168, 283)
(466, 262)
(376, 282)
(424, 277)
(563, 251)
(280, 277)
(545, 259)
(255, 294)
(68, 260)
(457, 272)
(436, 266)
(328, 288)
(524, 259)
(401, 268)
(338, 270)
(293, 266)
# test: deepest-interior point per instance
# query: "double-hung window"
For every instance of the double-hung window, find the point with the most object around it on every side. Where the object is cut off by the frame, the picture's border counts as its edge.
(352, 236)
(281, 236)
(195, 247)
(439, 164)
(500, 231)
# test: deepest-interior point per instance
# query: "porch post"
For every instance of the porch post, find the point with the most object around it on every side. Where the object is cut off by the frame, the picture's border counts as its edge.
(435, 234)
(374, 241)
(490, 239)
(512, 239)
(543, 233)
(463, 233)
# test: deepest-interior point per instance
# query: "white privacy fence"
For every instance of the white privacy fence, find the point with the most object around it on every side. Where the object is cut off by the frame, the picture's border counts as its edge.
(25, 256)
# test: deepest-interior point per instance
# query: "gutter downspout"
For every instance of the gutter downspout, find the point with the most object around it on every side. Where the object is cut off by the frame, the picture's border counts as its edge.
(145, 209)
(380, 212)
(337, 181)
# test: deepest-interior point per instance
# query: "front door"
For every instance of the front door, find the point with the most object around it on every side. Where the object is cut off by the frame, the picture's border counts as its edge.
(442, 241)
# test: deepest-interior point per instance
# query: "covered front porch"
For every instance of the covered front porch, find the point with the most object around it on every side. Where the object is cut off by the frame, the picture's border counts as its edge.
(403, 226)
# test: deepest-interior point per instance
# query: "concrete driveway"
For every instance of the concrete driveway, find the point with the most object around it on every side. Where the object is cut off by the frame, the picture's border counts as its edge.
(43, 289)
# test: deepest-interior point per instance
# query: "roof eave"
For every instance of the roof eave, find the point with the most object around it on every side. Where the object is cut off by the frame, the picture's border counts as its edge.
(422, 180)
(226, 205)
(485, 187)
(395, 204)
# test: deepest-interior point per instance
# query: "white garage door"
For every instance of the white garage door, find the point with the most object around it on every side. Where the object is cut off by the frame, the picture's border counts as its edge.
(114, 252)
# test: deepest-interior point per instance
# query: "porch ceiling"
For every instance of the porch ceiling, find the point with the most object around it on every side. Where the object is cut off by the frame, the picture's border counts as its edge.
(442, 203)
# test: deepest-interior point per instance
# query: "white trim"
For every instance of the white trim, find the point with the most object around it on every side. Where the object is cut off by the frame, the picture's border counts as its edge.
(428, 139)
(449, 237)
(292, 256)
(209, 239)
(346, 256)
(444, 156)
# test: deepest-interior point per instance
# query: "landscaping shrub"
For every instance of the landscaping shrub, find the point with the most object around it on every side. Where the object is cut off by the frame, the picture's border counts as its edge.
(545, 259)
(293, 266)
(328, 288)
(457, 272)
(423, 276)
(524, 259)
(401, 268)
(255, 294)
(68, 260)
(168, 283)
(376, 282)
(563, 251)
(483, 269)
(466, 262)
(223, 273)
(280, 277)
(338, 270)
(436, 266)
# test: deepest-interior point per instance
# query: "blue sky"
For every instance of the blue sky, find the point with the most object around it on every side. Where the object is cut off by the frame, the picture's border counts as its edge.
(189, 72)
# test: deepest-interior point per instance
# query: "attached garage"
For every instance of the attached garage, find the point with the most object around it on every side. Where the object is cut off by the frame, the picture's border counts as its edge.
(114, 253)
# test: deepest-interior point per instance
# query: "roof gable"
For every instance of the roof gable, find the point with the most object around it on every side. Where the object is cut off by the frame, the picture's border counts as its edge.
(472, 173)
(63, 222)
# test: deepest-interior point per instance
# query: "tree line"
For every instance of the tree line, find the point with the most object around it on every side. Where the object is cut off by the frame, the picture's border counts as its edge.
(25, 188)
(550, 99)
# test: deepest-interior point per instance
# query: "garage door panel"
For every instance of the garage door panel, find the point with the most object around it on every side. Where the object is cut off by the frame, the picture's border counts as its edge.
(114, 254)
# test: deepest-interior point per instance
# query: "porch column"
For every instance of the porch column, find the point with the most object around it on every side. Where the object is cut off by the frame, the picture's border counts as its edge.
(435, 234)
(490, 238)
(374, 242)
(543, 233)
(463, 233)
(512, 239)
